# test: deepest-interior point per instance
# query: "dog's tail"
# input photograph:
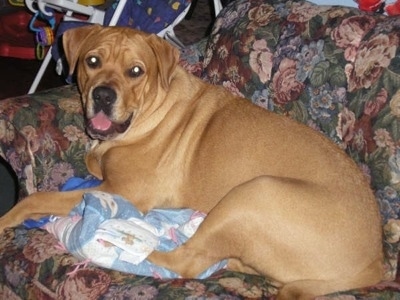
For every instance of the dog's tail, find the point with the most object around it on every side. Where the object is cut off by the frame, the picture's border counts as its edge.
(310, 289)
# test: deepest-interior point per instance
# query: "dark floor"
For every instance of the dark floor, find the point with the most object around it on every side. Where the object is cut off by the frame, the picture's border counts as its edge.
(17, 75)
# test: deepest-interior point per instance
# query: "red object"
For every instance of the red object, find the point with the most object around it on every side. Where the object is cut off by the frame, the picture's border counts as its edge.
(369, 5)
(16, 40)
(15, 51)
(393, 9)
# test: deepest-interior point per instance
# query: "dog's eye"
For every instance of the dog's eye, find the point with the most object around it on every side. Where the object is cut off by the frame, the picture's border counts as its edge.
(136, 71)
(93, 62)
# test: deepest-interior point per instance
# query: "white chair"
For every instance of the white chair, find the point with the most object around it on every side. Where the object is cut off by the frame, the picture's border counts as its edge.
(217, 6)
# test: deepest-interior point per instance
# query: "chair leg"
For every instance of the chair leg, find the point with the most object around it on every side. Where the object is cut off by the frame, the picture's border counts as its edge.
(41, 72)
(217, 6)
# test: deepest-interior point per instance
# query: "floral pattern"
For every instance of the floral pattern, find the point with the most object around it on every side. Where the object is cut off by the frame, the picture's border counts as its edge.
(44, 139)
(336, 69)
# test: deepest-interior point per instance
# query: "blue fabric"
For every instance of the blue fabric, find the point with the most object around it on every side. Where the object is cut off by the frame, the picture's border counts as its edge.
(77, 183)
(109, 231)
(148, 15)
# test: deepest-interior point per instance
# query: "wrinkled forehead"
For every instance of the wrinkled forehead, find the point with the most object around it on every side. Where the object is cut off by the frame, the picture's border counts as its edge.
(116, 45)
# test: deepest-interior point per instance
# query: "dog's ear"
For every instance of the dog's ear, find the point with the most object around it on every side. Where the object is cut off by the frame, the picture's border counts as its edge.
(167, 57)
(72, 43)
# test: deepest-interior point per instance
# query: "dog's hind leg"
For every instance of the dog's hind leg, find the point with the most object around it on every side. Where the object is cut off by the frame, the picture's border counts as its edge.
(287, 230)
(238, 227)
(220, 236)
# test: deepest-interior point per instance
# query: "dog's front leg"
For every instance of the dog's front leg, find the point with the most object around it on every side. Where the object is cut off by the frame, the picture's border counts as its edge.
(41, 204)
(93, 165)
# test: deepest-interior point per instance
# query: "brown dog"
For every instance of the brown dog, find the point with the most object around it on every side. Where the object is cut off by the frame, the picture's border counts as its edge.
(282, 200)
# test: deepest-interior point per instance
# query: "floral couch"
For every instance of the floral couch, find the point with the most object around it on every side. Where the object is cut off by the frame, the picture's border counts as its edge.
(334, 68)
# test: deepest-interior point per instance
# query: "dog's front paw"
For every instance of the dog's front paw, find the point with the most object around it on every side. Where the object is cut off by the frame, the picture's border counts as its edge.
(7, 221)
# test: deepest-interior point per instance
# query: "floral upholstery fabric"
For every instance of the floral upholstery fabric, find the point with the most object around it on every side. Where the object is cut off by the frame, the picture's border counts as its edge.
(43, 138)
(334, 68)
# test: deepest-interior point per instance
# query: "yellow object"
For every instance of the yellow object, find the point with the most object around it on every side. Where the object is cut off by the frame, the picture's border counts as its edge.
(91, 2)
(176, 5)
(40, 51)
(17, 2)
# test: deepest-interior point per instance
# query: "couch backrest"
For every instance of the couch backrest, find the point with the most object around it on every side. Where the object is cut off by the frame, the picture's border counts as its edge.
(334, 68)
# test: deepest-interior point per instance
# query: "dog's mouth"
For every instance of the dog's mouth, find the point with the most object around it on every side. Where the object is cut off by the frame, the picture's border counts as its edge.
(101, 127)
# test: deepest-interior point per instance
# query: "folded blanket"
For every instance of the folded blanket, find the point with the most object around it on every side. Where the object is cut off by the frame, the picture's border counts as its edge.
(109, 231)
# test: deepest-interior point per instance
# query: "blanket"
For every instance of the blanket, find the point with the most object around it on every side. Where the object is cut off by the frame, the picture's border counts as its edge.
(107, 230)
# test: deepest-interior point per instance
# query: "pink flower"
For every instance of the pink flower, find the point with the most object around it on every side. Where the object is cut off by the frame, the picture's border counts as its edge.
(303, 11)
(197, 288)
(372, 108)
(349, 34)
(372, 58)
(41, 247)
(88, 284)
(261, 60)
(61, 172)
(214, 76)
(71, 105)
(6, 132)
(195, 69)
(242, 288)
(72, 133)
(383, 139)
(395, 104)
(359, 141)
(345, 127)
(260, 15)
(285, 85)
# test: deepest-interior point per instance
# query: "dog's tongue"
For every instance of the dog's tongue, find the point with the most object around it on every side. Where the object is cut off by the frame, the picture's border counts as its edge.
(100, 121)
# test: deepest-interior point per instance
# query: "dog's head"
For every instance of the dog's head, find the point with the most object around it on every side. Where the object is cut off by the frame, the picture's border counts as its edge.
(120, 72)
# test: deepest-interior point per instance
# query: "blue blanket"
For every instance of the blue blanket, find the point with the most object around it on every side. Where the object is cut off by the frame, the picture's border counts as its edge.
(109, 231)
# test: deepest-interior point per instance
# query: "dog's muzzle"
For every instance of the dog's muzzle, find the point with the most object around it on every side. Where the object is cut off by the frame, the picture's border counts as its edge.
(100, 126)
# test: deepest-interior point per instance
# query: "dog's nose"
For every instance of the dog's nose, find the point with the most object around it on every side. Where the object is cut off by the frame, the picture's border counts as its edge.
(104, 96)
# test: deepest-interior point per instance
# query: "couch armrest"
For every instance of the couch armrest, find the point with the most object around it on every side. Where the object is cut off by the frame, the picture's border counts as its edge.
(42, 137)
